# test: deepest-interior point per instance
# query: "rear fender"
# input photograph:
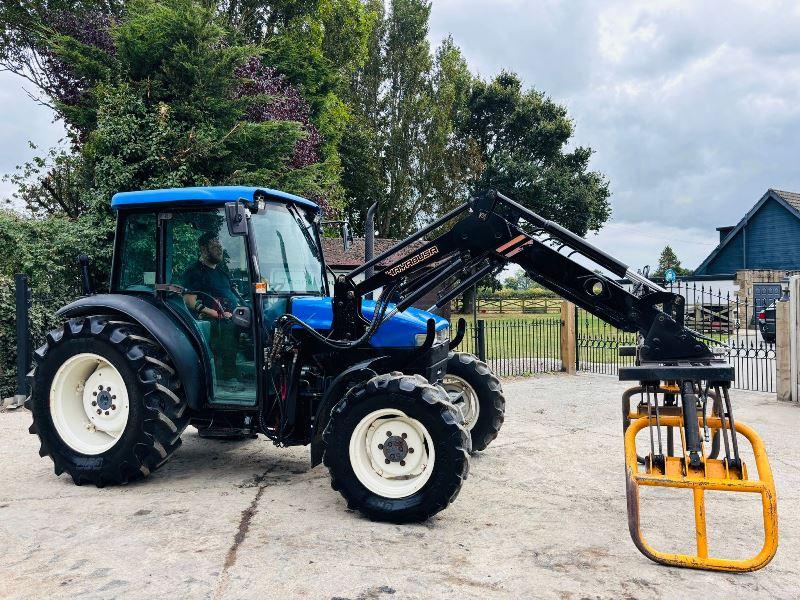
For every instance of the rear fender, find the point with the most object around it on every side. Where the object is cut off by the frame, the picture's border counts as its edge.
(159, 325)
(357, 373)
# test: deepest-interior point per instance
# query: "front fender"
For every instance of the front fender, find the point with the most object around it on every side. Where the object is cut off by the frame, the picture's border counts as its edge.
(160, 326)
(336, 390)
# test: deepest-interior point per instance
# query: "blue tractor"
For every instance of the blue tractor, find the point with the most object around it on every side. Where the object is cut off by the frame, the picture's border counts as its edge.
(220, 316)
(195, 331)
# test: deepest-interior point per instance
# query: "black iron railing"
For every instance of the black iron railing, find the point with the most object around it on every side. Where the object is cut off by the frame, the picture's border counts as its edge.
(726, 317)
(514, 347)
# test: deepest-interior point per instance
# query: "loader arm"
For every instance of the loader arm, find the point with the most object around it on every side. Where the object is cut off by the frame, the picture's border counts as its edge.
(677, 371)
(491, 231)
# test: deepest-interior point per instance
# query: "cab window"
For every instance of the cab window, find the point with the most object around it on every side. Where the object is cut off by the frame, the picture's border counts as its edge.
(137, 253)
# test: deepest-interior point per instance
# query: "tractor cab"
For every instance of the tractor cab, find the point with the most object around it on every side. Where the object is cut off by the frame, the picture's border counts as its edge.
(228, 262)
(226, 274)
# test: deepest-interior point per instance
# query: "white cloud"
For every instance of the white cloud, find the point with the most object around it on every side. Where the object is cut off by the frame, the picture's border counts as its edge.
(640, 243)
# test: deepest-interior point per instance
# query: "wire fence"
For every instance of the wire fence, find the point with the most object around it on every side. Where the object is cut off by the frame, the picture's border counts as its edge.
(733, 320)
(597, 345)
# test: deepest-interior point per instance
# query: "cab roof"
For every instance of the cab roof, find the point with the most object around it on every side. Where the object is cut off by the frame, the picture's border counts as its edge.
(212, 195)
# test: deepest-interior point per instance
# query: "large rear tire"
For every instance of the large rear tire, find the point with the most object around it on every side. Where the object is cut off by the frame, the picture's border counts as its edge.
(473, 387)
(396, 449)
(106, 402)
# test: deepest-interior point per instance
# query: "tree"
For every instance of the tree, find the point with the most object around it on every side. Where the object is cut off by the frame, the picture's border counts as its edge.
(669, 260)
(406, 64)
(403, 147)
(362, 143)
(450, 160)
(81, 53)
(522, 137)
(520, 282)
(51, 184)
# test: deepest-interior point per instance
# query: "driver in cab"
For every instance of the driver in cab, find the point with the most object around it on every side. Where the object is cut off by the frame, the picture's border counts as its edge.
(218, 298)
(211, 295)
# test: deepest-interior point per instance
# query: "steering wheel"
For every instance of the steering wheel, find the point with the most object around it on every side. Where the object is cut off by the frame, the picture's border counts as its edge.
(215, 304)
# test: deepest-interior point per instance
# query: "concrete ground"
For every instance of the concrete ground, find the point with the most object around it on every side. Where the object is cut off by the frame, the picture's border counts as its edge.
(541, 515)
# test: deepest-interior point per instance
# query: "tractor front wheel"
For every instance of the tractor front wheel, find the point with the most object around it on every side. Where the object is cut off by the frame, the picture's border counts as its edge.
(473, 387)
(396, 449)
(106, 402)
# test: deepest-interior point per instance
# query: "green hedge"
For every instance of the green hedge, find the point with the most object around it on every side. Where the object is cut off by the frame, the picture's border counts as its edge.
(46, 250)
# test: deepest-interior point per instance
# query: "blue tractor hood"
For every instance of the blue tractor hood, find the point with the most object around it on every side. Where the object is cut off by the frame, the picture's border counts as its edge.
(398, 332)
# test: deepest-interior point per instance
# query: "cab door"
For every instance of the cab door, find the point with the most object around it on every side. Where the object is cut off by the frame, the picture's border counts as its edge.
(211, 272)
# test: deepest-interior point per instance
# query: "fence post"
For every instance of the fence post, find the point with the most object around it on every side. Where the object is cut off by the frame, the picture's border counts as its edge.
(481, 333)
(568, 341)
(23, 338)
(783, 352)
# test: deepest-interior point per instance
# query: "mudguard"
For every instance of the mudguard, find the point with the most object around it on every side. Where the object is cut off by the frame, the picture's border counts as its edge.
(351, 376)
(158, 324)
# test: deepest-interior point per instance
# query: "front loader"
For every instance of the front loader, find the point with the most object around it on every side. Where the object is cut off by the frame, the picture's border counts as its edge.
(219, 315)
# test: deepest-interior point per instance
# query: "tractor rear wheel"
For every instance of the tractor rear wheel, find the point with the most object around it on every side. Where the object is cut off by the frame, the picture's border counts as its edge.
(396, 449)
(106, 402)
(474, 389)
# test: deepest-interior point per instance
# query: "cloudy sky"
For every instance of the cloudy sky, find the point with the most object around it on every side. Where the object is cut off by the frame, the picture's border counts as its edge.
(692, 108)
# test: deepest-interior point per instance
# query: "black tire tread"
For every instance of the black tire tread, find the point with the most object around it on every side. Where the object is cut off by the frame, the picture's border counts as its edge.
(164, 411)
(490, 396)
(422, 391)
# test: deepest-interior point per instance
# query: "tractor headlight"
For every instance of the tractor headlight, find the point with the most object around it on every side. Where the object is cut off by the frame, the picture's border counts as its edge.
(441, 336)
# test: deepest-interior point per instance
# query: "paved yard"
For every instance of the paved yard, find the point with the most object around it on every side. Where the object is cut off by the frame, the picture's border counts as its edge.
(542, 515)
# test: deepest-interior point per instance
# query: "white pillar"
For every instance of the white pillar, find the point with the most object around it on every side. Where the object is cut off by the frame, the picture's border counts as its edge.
(794, 336)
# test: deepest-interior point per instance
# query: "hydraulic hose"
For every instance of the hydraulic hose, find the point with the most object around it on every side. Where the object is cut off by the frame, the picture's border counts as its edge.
(377, 320)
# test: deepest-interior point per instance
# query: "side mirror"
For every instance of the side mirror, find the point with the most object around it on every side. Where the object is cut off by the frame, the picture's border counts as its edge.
(236, 218)
(241, 317)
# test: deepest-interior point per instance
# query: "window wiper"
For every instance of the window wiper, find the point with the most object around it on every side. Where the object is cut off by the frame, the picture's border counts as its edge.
(304, 228)
(285, 259)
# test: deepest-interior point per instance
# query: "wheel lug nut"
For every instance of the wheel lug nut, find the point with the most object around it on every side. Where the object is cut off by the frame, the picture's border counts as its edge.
(99, 411)
(113, 397)
(94, 393)
(402, 463)
(411, 451)
(404, 435)
(380, 446)
(388, 461)
(108, 389)
(94, 403)
(100, 387)
(113, 407)
(106, 413)
(388, 434)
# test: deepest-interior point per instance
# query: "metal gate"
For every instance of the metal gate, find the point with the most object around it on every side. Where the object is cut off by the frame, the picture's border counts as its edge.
(722, 317)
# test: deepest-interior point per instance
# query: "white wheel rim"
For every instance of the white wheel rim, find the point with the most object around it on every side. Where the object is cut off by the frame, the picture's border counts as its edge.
(390, 435)
(89, 403)
(464, 397)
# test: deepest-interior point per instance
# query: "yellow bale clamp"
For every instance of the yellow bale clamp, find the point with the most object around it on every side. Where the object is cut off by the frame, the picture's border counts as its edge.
(713, 475)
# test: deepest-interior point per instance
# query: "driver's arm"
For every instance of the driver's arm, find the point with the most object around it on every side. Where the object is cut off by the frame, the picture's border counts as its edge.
(191, 303)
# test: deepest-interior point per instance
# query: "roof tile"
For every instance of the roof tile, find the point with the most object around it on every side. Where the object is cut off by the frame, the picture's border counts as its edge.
(337, 258)
(792, 198)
